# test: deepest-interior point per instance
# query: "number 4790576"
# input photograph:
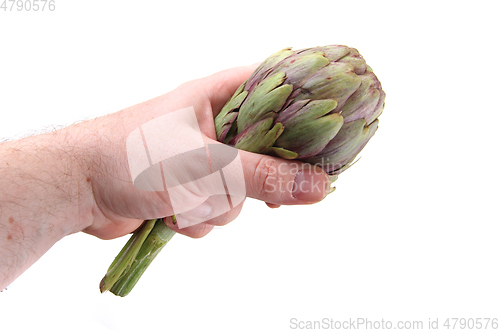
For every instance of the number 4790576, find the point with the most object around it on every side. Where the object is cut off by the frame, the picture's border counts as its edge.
(28, 5)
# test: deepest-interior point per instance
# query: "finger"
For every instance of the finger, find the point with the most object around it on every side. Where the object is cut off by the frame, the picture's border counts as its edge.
(271, 205)
(213, 206)
(226, 217)
(221, 86)
(283, 182)
(110, 229)
(194, 231)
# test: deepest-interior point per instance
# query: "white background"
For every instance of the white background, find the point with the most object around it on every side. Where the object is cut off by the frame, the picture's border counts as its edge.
(411, 233)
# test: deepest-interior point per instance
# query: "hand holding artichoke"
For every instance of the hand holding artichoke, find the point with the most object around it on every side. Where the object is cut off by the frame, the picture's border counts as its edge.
(318, 105)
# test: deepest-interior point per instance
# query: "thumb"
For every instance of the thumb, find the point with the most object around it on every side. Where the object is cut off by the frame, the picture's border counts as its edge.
(283, 182)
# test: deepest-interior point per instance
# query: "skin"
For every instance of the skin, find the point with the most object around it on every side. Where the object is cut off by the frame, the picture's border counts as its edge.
(77, 179)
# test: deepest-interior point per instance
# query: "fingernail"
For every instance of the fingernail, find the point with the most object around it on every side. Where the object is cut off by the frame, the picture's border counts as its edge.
(194, 216)
(310, 185)
(201, 211)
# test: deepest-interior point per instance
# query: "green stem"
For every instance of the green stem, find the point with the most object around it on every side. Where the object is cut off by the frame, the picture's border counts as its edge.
(127, 255)
(156, 239)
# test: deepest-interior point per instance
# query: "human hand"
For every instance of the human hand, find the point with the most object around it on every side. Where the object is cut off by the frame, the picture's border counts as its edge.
(120, 208)
(78, 178)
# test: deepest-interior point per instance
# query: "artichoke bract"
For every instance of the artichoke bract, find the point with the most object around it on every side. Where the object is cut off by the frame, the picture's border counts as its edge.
(319, 105)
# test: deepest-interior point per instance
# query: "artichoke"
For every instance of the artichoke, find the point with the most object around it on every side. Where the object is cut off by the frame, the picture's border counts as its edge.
(318, 105)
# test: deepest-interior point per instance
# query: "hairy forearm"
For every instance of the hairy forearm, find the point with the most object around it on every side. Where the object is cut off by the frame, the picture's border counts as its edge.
(75, 179)
(44, 196)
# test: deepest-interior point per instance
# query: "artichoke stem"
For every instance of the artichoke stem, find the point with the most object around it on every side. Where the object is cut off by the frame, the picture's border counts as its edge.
(138, 253)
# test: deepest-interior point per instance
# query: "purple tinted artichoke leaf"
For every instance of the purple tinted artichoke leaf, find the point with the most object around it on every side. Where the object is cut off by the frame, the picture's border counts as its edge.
(229, 113)
(310, 128)
(258, 137)
(268, 97)
(337, 79)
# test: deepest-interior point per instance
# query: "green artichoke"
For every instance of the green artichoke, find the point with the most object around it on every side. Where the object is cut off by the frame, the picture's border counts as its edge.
(319, 105)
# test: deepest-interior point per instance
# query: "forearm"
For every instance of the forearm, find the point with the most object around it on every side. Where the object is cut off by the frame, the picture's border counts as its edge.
(44, 196)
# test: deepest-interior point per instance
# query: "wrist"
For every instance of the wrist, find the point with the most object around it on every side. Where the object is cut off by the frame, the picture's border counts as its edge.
(48, 173)
(43, 197)
(80, 144)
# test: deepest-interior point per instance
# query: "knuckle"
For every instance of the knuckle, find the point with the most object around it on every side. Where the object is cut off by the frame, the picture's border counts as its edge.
(200, 231)
(223, 219)
(266, 180)
(227, 217)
